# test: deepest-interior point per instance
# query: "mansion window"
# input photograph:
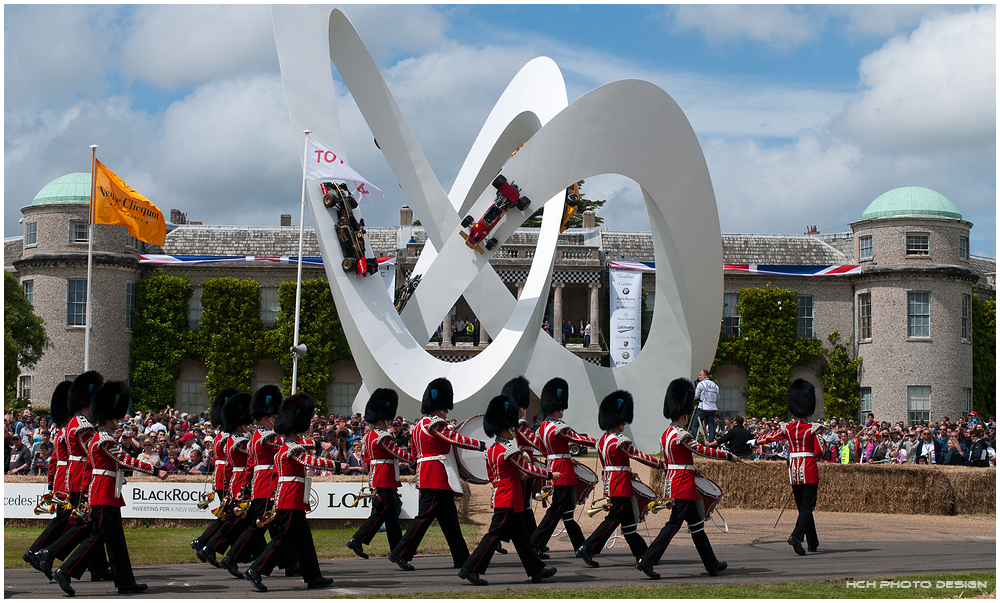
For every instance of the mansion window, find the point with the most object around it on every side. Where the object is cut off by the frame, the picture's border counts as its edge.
(966, 400)
(966, 317)
(805, 308)
(130, 303)
(865, 315)
(78, 231)
(31, 233)
(29, 290)
(866, 402)
(343, 398)
(963, 248)
(918, 403)
(729, 402)
(918, 244)
(865, 247)
(731, 314)
(194, 308)
(24, 387)
(192, 398)
(269, 306)
(76, 303)
(918, 314)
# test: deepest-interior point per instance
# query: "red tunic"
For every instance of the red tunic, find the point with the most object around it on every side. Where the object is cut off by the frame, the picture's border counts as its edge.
(504, 465)
(615, 451)
(556, 437)
(293, 485)
(58, 462)
(804, 447)
(237, 458)
(108, 458)
(679, 448)
(79, 432)
(432, 440)
(527, 440)
(383, 456)
(264, 444)
(221, 479)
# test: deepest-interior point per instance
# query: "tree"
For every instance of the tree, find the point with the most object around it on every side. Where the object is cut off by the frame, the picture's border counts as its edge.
(984, 361)
(576, 220)
(841, 389)
(160, 339)
(24, 338)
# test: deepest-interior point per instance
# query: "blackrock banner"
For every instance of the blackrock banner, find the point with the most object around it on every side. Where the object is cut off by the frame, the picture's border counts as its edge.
(165, 500)
(626, 314)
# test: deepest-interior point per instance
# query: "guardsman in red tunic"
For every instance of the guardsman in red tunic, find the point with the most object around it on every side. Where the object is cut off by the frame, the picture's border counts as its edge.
(105, 493)
(382, 456)
(77, 435)
(505, 464)
(221, 475)
(802, 471)
(556, 437)
(294, 488)
(58, 414)
(437, 476)
(236, 421)
(263, 445)
(518, 389)
(679, 448)
(616, 451)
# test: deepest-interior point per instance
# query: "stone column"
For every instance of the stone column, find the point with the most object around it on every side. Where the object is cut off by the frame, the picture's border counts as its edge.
(520, 288)
(595, 315)
(557, 315)
(446, 328)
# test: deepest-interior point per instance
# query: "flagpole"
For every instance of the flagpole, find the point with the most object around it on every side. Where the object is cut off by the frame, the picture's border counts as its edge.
(298, 280)
(90, 255)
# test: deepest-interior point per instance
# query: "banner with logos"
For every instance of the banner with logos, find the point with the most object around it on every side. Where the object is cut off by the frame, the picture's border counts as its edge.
(166, 500)
(626, 314)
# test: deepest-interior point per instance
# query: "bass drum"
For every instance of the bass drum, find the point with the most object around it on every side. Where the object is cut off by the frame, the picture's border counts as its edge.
(472, 463)
(643, 496)
(710, 493)
(586, 480)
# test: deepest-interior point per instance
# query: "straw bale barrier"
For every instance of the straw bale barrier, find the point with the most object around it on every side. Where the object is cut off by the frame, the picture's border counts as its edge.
(906, 489)
(461, 502)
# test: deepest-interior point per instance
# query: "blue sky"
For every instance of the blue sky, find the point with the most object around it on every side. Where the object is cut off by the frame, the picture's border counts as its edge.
(805, 113)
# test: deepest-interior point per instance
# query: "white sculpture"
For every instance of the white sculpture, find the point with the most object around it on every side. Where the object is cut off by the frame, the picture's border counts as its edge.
(631, 128)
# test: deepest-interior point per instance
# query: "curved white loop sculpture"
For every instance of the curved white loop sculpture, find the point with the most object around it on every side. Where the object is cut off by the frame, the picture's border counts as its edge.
(631, 128)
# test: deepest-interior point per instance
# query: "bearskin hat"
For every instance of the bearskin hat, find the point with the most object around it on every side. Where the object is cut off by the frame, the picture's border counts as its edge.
(438, 396)
(59, 408)
(236, 412)
(555, 396)
(83, 390)
(679, 401)
(266, 401)
(517, 388)
(381, 405)
(616, 408)
(501, 414)
(111, 402)
(801, 399)
(295, 415)
(220, 401)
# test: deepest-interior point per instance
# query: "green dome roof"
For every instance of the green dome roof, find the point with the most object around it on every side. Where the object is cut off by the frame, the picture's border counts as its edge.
(911, 201)
(71, 188)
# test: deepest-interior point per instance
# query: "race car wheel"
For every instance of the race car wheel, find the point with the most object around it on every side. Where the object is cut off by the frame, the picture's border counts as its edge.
(354, 203)
(490, 244)
(347, 264)
(573, 200)
(372, 265)
(498, 181)
(467, 221)
(328, 201)
(523, 203)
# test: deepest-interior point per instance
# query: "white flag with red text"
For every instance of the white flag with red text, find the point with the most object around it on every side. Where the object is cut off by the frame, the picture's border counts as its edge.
(324, 164)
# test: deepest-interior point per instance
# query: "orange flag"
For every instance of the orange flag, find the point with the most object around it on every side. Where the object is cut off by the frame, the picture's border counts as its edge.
(115, 202)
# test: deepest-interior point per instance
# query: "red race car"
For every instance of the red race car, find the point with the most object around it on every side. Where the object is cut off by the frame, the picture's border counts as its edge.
(508, 196)
(350, 231)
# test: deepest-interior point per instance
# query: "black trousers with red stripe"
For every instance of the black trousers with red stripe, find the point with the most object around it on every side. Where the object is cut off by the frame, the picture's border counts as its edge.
(527, 515)
(52, 532)
(106, 532)
(563, 507)
(509, 522)
(692, 512)
(215, 525)
(440, 505)
(624, 512)
(249, 545)
(293, 538)
(64, 543)
(385, 510)
(805, 525)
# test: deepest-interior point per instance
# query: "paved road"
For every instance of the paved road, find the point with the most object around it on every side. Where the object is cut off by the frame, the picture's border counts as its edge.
(753, 563)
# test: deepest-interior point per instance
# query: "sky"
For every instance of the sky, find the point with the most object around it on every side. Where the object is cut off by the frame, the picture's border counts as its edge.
(805, 114)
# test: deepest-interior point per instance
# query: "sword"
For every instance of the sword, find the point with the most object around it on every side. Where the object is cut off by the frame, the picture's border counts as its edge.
(783, 510)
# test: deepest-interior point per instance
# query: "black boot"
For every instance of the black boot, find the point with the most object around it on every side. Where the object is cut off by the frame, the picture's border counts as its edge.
(545, 573)
(584, 553)
(63, 581)
(230, 566)
(647, 569)
(718, 568)
(131, 589)
(472, 577)
(254, 578)
(45, 562)
(355, 546)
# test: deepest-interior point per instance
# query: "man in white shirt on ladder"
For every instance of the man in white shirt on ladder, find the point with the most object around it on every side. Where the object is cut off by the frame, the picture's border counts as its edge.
(707, 395)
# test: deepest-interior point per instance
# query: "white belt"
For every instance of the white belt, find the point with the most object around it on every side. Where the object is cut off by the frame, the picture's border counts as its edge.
(104, 472)
(801, 455)
(61, 463)
(380, 461)
(262, 467)
(76, 458)
(614, 468)
(681, 467)
(300, 480)
(218, 462)
(559, 456)
(118, 475)
(239, 469)
(393, 462)
(439, 457)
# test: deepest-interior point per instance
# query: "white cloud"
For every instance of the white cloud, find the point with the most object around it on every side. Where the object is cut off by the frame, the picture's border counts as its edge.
(406, 29)
(783, 27)
(178, 45)
(931, 89)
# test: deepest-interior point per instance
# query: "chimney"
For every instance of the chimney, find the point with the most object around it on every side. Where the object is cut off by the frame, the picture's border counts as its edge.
(175, 216)
(812, 230)
(286, 219)
(405, 216)
(589, 219)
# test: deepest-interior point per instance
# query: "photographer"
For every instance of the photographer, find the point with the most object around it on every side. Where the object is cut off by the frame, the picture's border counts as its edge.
(736, 439)
(40, 460)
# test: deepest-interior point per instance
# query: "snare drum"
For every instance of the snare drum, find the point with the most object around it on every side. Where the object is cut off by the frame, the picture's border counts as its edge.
(586, 480)
(643, 496)
(710, 493)
(472, 463)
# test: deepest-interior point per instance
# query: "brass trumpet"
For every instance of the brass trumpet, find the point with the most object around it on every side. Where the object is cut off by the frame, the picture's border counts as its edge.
(267, 518)
(81, 513)
(544, 493)
(46, 505)
(660, 504)
(598, 507)
(220, 512)
(240, 509)
(205, 499)
(366, 492)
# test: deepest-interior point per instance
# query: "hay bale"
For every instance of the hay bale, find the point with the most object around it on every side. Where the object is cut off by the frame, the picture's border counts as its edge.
(975, 488)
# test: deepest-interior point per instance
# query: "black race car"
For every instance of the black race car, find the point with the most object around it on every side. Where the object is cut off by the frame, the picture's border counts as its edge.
(350, 231)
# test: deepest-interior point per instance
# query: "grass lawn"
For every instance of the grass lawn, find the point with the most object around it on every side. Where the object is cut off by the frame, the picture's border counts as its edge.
(781, 590)
(149, 546)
